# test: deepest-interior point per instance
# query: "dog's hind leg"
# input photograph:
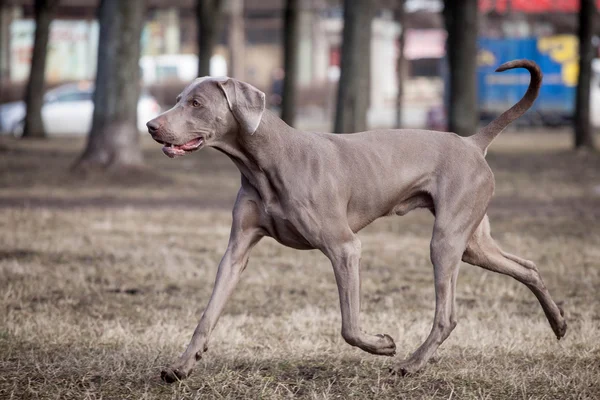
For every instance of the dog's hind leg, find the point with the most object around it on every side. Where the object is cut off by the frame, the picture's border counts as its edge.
(447, 247)
(458, 212)
(483, 251)
(345, 258)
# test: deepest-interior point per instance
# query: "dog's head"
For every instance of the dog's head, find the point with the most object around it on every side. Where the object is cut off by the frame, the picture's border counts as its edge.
(208, 111)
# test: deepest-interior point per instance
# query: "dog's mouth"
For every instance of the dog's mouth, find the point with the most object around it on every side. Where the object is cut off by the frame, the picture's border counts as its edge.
(176, 150)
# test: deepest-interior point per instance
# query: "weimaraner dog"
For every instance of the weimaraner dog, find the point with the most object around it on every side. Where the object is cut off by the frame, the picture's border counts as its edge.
(317, 190)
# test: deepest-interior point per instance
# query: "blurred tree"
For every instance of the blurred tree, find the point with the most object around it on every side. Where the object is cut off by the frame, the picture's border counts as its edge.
(353, 87)
(4, 33)
(583, 128)
(236, 39)
(401, 62)
(34, 93)
(114, 137)
(460, 18)
(290, 60)
(209, 19)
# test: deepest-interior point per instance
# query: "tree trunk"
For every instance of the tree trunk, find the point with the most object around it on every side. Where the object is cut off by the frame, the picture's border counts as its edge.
(209, 19)
(290, 60)
(4, 42)
(583, 128)
(34, 94)
(237, 39)
(401, 62)
(353, 86)
(114, 137)
(461, 49)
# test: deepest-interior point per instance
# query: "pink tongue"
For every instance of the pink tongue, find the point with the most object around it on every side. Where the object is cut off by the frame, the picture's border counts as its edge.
(174, 151)
(191, 145)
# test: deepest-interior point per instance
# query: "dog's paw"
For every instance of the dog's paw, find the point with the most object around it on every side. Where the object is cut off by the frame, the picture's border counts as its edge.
(170, 375)
(560, 327)
(405, 368)
(386, 345)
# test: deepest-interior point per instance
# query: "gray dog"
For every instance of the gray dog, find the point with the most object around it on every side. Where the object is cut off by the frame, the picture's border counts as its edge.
(317, 190)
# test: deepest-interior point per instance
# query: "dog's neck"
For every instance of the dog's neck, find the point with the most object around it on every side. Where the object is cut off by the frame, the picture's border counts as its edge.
(256, 154)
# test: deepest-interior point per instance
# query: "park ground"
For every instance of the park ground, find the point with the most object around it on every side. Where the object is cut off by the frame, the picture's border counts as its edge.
(104, 276)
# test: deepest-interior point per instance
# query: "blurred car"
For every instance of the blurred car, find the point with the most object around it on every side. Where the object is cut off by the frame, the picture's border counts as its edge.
(595, 94)
(68, 110)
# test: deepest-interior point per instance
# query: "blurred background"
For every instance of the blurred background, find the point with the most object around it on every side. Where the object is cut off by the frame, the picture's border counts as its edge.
(400, 55)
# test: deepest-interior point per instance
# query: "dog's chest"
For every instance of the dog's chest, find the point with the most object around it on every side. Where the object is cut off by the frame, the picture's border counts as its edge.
(285, 229)
(283, 218)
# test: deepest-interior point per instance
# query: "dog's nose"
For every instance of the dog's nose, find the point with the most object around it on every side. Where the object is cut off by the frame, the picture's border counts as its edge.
(153, 126)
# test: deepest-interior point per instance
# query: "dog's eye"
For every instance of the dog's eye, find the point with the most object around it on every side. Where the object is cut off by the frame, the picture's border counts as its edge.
(195, 103)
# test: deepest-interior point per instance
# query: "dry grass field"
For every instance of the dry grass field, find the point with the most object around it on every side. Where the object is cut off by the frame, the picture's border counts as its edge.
(103, 279)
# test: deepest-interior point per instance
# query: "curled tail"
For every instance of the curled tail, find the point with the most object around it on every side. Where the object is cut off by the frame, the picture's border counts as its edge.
(484, 137)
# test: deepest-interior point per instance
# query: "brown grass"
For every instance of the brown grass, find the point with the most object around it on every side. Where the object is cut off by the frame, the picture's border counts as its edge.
(102, 280)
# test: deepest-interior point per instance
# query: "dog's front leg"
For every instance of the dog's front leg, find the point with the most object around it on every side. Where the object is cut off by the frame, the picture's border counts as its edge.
(345, 258)
(243, 237)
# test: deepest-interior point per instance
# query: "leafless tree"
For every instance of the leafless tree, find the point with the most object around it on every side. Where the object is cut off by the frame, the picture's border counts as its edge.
(290, 60)
(209, 19)
(236, 39)
(353, 87)
(401, 61)
(34, 94)
(583, 129)
(461, 49)
(114, 137)
(4, 22)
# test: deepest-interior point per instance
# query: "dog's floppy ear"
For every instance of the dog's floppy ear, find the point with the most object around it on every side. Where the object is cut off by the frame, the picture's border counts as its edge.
(247, 103)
